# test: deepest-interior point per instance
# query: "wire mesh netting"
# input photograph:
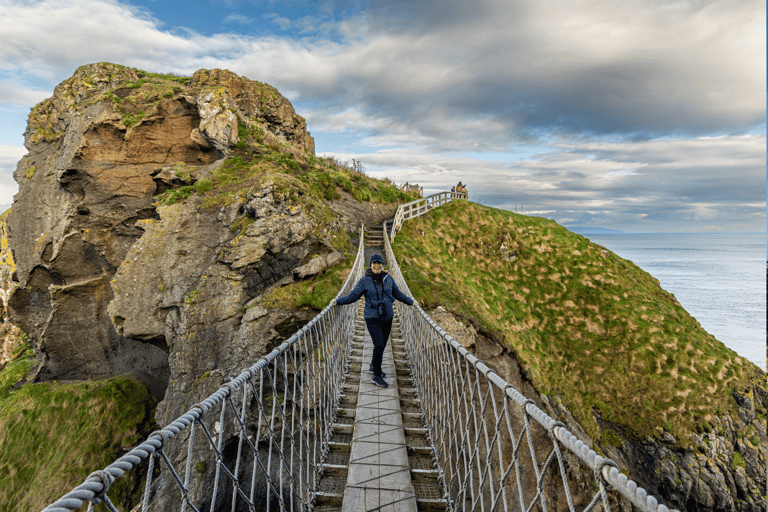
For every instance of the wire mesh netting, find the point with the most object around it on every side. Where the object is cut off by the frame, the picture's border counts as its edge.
(255, 444)
(495, 449)
(259, 441)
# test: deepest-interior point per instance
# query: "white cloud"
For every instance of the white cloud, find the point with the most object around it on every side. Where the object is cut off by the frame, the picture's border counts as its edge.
(676, 181)
(279, 21)
(646, 67)
(51, 38)
(9, 158)
(14, 92)
(238, 18)
(430, 79)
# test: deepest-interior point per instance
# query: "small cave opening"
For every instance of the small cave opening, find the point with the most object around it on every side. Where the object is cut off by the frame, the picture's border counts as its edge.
(290, 326)
(123, 92)
(157, 341)
(151, 366)
(118, 322)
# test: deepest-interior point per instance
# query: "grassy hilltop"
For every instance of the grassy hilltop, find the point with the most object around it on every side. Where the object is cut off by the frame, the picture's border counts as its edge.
(585, 324)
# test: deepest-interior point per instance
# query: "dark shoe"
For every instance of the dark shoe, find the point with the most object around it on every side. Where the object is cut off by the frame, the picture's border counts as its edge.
(379, 381)
(370, 370)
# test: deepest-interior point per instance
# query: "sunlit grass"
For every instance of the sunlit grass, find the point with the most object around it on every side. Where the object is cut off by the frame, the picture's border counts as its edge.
(586, 325)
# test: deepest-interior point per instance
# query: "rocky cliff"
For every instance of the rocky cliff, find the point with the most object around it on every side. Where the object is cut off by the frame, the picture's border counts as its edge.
(155, 213)
(114, 265)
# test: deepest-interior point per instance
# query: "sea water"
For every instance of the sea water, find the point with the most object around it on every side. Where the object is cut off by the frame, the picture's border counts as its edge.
(719, 278)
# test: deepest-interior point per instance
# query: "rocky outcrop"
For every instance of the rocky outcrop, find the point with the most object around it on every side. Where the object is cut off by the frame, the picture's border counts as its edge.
(155, 214)
(197, 280)
(317, 265)
(723, 471)
(99, 151)
(225, 92)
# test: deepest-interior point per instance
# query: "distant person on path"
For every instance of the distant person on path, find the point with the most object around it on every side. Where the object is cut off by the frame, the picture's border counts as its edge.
(380, 291)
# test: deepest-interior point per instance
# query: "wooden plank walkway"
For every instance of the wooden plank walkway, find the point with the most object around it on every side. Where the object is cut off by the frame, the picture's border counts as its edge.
(379, 477)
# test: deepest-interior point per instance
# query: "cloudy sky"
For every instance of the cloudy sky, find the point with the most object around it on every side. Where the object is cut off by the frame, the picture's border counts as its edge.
(641, 115)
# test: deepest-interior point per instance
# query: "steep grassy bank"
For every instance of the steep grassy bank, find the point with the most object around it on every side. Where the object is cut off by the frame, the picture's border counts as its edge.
(54, 435)
(323, 179)
(585, 324)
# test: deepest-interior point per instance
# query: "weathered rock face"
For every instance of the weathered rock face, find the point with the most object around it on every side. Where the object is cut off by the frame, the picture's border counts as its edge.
(725, 471)
(99, 150)
(353, 213)
(261, 103)
(197, 281)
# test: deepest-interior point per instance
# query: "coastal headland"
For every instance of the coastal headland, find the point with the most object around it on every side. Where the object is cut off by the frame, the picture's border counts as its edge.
(170, 230)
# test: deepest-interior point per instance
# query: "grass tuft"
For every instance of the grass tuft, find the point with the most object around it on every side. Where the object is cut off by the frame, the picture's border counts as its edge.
(315, 292)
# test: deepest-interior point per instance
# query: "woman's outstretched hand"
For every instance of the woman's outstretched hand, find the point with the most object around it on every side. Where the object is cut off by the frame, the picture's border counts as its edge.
(333, 302)
(415, 302)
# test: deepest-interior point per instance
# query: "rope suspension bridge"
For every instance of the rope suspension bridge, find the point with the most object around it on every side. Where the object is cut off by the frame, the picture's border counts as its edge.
(304, 430)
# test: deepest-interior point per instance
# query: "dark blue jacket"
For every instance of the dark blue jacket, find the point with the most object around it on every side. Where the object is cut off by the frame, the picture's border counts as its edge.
(375, 292)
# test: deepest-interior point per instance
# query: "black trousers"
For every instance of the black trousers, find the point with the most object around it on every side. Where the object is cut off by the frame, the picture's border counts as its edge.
(379, 331)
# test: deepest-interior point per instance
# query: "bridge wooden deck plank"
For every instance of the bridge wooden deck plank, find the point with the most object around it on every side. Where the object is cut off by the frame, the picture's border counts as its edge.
(378, 477)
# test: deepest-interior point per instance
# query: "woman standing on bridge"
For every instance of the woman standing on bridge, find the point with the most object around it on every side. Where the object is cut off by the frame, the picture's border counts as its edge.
(380, 291)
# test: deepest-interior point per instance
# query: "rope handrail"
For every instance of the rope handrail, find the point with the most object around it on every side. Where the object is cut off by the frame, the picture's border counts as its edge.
(468, 408)
(277, 418)
(420, 207)
(309, 367)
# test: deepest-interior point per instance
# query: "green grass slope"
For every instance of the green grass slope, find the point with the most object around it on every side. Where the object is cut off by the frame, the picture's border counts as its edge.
(585, 324)
(54, 435)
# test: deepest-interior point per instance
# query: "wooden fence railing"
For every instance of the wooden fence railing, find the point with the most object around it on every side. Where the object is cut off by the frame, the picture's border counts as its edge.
(420, 207)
